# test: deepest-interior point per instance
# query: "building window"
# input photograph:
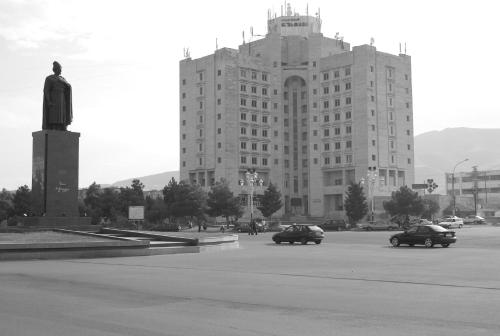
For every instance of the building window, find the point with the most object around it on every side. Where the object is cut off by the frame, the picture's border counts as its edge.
(254, 132)
(371, 68)
(304, 136)
(337, 116)
(373, 143)
(243, 145)
(243, 102)
(314, 64)
(327, 160)
(390, 116)
(337, 130)
(409, 161)
(348, 71)
(373, 127)
(201, 133)
(315, 132)
(337, 145)
(264, 105)
(315, 118)
(287, 164)
(184, 123)
(183, 95)
(326, 146)
(264, 91)
(264, 133)
(219, 86)
(406, 76)
(348, 158)
(183, 82)
(254, 117)
(243, 116)
(348, 144)
(276, 162)
(315, 147)
(325, 76)
(286, 150)
(219, 101)
(285, 122)
(264, 119)
(264, 147)
(254, 89)
(219, 144)
(201, 76)
(315, 91)
(275, 106)
(243, 159)
(254, 75)
(325, 104)
(348, 115)
(254, 146)
(338, 160)
(315, 160)
(372, 98)
(219, 160)
(264, 77)
(373, 113)
(315, 105)
(243, 88)
(407, 132)
(348, 100)
(336, 88)
(243, 131)
(326, 132)
(407, 118)
(348, 85)
(275, 133)
(326, 90)
(201, 161)
(183, 150)
(337, 102)
(264, 161)
(184, 109)
(409, 147)
(407, 105)
(183, 136)
(336, 74)
(200, 147)
(314, 77)
(254, 103)
(374, 158)
(304, 163)
(348, 129)
(219, 72)
(243, 73)
(219, 130)
(184, 163)
(326, 118)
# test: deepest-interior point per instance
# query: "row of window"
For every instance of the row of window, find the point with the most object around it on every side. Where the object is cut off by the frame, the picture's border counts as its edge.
(336, 131)
(336, 88)
(336, 73)
(254, 132)
(253, 74)
(253, 161)
(336, 102)
(253, 90)
(336, 116)
(253, 103)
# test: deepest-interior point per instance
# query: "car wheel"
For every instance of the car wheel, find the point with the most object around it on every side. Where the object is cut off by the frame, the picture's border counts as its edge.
(318, 242)
(395, 242)
(291, 242)
(445, 245)
(460, 226)
(303, 241)
(428, 242)
(277, 241)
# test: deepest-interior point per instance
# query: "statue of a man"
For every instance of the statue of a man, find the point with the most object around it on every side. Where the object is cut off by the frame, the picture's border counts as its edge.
(57, 106)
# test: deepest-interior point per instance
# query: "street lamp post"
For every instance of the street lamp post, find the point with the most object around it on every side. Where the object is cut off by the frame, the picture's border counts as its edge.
(453, 185)
(252, 179)
(371, 177)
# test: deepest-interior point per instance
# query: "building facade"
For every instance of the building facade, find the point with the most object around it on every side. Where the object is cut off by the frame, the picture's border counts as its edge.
(483, 185)
(307, 112)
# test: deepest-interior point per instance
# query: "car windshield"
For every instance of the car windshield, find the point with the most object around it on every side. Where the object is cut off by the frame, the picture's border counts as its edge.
(314, 228)
(437, 228)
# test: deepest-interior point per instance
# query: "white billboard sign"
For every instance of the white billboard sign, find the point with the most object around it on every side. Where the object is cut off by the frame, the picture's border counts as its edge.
(136, 212)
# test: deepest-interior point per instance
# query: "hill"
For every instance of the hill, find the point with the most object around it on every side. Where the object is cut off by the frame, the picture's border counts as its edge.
(151, 182)
(437, 152)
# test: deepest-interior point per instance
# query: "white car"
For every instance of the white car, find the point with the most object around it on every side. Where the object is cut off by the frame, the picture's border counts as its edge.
(471, 219)
(452, 222)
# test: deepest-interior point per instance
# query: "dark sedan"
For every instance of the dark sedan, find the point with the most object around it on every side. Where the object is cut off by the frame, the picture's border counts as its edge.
(302, 233)
(427, 235)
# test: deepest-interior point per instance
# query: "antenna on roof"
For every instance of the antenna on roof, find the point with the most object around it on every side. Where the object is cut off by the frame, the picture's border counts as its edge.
(400, 47)
(243, 33)
(405, 48)
(372, 41)
(216, 44)
(187, 54)
(307, 9)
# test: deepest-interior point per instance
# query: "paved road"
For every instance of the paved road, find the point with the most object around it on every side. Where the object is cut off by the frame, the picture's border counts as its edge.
(352, 284)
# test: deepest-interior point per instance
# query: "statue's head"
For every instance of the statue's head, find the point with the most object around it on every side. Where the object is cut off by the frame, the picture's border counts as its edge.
(57, 68)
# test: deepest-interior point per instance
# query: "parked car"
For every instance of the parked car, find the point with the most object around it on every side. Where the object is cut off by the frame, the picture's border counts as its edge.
(379, 226)
(427, 235)
(472, 219)
(302, 233)
(334, 225)
(451, 222)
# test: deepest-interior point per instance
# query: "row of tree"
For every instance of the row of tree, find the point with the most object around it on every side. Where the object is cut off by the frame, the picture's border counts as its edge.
(17, 204)
(181, 200)
(403, 204)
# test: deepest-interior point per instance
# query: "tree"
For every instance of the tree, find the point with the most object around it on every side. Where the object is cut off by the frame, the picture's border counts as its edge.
(5, 204)
(22, 201)
(92, 202)
(355, 203)
(431, 207)
(130, 196)
(222, 202)
(155, 210)
(270, 202)
(184, 200)
(404, 203)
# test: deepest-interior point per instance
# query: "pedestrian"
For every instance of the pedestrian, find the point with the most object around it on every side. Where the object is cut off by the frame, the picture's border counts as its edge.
(204, 226)
(199, 226)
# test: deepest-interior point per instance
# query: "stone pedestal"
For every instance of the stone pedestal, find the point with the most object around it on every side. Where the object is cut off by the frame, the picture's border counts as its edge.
(55, 174)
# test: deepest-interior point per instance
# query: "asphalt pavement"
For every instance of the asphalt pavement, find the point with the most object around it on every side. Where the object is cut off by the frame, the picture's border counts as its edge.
(353, 283)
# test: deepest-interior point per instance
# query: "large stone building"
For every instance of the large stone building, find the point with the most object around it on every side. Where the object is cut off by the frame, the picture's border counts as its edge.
(307, 112)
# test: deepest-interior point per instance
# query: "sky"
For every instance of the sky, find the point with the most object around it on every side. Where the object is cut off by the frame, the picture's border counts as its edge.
(122, 60)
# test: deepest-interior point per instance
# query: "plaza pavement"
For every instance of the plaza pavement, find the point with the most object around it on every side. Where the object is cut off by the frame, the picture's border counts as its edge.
(352, 284)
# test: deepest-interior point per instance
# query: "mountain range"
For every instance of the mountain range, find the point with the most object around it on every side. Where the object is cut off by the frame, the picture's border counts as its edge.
(436, 153)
